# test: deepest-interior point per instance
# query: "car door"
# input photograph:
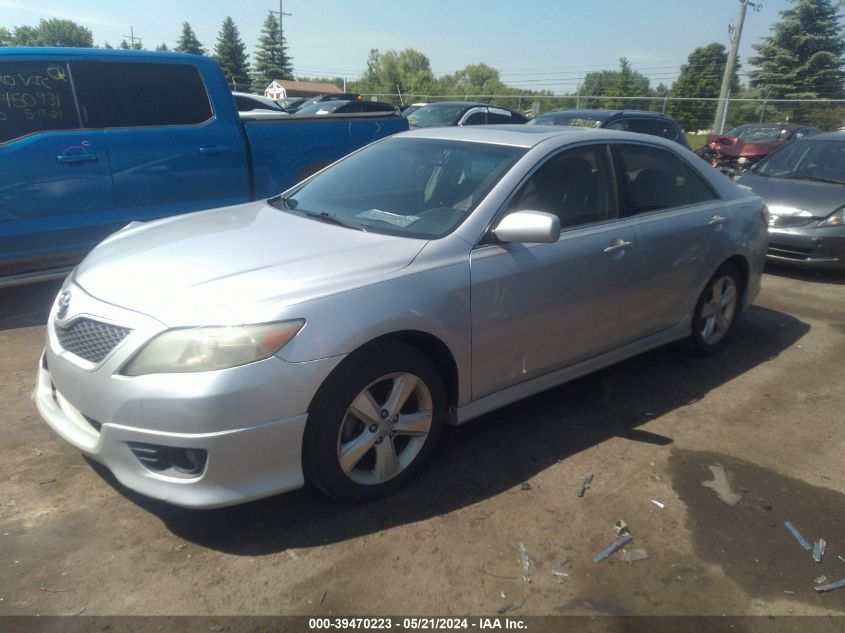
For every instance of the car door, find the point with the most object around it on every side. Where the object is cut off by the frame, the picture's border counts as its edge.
(170, 151)
(540, 307)
(682, 232)
(56, 199)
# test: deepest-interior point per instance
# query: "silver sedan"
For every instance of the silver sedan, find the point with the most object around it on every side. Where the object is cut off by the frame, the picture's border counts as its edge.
(327, 334)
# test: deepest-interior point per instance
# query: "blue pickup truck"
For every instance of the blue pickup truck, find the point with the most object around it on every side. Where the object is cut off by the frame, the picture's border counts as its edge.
(91, 140)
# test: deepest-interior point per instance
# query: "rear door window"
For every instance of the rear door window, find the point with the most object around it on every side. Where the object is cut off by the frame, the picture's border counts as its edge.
(35, 97)
(656, 179)
(476, 118)
(655, 127)
(498, 116)
(144, 95)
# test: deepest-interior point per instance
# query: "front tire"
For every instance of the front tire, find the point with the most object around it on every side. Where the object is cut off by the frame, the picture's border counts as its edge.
(373, 424)
(715, 311)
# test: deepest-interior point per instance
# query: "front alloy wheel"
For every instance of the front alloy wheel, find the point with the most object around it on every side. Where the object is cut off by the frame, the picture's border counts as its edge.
(385, 428)
(373, 423)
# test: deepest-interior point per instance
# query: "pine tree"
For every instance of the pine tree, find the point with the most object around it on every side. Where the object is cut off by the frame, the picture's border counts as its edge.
(803, 56)
(188, 42)
(124, 46)
(271, 57)
(230, 53)
(162, 47)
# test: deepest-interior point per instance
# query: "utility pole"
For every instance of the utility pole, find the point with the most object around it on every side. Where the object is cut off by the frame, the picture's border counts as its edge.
(132, 37)
(721, 109)
(282, 15)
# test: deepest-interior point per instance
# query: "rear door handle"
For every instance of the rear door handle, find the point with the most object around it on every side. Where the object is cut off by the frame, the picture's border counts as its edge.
(77, 158)
(717, 219)
(617, 245)
(212, 150)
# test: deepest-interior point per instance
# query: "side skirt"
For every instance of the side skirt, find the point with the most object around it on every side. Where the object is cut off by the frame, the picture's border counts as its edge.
(542, 383)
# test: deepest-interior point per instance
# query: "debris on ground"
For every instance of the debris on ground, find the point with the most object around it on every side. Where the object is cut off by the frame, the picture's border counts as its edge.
(841, 558)
(620, 527)
(180, 547)
(834, 585)
(292, 554)
(789, 593)
(513, 606)
(525, 486)
(634, 554)
(323, 597)
(617, 544)
(44, 482)
(560, 574)
(721, 486)
(801, 540)
(588, 480)
(526, 563)
(503, 595)
(818, 550)
(821, 579)
(658, 504)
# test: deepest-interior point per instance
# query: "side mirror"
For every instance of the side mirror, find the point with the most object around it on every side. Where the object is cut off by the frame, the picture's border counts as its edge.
(528, 226)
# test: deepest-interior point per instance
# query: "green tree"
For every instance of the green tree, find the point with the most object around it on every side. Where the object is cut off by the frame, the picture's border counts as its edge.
(700, 78)
(136, 45)
(107, 46)
(5, 36)
(162, 47)
(624, 82)
(408, 72)
(803, 56)
(52, 32)
(188, 41)
(230, 53)
(271, 57)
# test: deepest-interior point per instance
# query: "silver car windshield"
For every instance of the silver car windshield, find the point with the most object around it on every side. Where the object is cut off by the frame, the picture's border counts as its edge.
(421, 188)
(806, 160)
(436, 115)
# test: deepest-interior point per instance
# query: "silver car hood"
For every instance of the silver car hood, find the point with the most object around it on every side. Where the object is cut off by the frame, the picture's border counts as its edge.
(235, 264)
(819, 198)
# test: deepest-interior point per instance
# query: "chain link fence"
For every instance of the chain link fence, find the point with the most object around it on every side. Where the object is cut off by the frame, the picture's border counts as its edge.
(695, 115)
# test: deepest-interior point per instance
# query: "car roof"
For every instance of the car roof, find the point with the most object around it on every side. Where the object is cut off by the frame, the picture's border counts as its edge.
(825, 136)
(604, 114)
(528, 136)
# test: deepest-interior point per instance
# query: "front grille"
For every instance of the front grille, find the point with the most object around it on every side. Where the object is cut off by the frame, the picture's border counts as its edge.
(91, 340)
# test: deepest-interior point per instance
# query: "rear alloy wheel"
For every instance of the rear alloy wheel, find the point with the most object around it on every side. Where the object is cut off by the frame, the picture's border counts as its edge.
(715, 311)
(373, 424)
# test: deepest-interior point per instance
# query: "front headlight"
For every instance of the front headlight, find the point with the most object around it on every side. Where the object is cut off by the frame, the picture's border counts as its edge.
(837, 218)
(210, 348)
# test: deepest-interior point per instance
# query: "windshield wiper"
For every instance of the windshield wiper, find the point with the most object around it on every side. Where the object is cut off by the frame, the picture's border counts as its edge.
(328, 218)
(831, 181)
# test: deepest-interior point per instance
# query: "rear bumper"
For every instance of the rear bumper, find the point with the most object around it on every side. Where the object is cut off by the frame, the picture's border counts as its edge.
(808, 247)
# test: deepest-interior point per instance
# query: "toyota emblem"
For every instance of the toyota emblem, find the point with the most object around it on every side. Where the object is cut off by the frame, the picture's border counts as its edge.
(64, 304)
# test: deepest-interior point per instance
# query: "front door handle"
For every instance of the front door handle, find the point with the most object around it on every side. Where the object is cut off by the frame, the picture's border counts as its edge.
(77, 158)
(617, 245)
(717, 219)
(213, 150)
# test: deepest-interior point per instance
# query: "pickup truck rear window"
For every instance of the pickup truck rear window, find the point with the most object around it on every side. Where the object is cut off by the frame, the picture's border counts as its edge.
(142, 94)
(35, 97)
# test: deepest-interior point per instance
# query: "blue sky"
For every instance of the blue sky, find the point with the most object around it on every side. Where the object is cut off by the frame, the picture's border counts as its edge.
(542, 44)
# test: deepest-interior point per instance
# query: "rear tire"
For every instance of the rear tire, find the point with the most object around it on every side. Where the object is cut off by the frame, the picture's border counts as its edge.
(715, 311)
(373, 423)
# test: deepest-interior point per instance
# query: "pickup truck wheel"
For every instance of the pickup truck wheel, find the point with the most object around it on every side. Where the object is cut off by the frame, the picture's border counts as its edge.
(373, 424)
(715, 311)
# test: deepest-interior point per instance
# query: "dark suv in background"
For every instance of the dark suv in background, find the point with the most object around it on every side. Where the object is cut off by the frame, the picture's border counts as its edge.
(642, 121)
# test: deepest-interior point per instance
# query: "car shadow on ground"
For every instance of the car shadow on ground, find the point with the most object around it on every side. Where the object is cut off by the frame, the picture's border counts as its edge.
(497, 452)
(812, 275)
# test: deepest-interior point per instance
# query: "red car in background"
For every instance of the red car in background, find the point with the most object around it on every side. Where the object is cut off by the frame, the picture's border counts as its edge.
(738, 149)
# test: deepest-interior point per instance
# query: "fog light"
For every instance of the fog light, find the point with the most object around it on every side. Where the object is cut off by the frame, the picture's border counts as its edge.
(170, 460)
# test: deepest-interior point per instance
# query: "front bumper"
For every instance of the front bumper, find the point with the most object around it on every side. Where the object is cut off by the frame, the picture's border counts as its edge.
(246, 421)
(808, 247)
